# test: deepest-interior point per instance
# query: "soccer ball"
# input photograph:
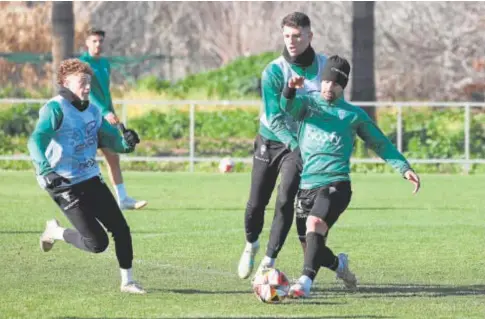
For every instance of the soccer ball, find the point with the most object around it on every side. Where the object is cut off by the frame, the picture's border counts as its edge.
(226, 165)
(271, 286)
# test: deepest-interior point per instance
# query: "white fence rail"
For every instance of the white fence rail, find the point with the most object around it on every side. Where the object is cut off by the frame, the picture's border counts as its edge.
(466, 161)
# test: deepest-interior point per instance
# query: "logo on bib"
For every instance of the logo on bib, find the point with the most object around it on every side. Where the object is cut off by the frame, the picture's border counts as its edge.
(341, 114)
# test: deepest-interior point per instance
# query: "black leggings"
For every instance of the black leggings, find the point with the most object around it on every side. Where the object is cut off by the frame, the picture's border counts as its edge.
(88, 205)
(270, 160)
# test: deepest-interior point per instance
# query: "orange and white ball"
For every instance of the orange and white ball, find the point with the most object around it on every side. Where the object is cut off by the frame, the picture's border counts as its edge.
(226, 165)
(271, 286)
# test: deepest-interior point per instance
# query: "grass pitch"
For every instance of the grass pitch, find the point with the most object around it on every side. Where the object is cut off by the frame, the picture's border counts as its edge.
(415, 256)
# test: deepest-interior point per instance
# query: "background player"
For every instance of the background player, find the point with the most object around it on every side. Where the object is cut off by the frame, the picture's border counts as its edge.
(101, 97)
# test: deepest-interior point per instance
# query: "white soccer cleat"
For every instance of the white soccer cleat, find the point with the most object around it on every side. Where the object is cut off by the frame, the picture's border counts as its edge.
(262, 267)
(246, 263)
(298, 291)
(344, 273)
(133, 288)
(129, 203)
(47, 238)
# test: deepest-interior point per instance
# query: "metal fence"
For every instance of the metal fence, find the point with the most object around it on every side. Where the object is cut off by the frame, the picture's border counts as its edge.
(124, 105)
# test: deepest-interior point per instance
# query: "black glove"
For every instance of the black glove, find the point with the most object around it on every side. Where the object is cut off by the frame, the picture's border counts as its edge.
(130, 136)
(53, 180)
(296, 154)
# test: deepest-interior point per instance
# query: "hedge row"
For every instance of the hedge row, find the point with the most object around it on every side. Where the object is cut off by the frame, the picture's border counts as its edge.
(427, 133)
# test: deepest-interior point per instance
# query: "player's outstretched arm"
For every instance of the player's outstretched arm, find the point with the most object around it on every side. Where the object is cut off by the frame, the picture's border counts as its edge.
(379, 143)
(50, 119)
(109, 136)
(296, 106)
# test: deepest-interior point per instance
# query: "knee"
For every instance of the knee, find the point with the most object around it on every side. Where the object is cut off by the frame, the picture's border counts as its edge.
(284, 199)
(256, 206)
(313, 221)
(316, 224)
(97, 245)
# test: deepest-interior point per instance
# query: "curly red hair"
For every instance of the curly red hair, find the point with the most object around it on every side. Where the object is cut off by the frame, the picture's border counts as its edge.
(72, 66)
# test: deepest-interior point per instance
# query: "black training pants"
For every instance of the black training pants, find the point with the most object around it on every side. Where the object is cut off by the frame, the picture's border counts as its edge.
(87, 205)
(270, 160)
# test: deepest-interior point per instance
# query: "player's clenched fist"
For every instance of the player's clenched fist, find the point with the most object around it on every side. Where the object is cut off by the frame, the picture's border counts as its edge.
(296, 82)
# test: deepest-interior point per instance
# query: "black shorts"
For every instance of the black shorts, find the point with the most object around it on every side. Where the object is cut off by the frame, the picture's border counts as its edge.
(327, 202)
(88, 202)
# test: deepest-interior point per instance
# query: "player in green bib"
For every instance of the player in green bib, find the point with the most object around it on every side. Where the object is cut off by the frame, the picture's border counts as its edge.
(100, 96)
(276, 154)
(326, 137)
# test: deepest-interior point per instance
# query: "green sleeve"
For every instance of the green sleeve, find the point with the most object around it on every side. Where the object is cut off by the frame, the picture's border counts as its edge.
(50, 119)
(110, 137)
(297, 107)
(108, 95)
(94, 98)
(379, 143)
(100, 91)
(272, 85)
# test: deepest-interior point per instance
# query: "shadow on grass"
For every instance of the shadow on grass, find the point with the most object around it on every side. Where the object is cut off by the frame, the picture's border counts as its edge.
(310, 301)
(271, 209)
(404, 290)
(320, 297)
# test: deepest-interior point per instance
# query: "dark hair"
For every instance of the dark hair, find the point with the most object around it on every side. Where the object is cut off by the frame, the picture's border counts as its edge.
(95, 31)
(295, 20)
